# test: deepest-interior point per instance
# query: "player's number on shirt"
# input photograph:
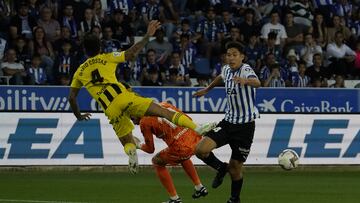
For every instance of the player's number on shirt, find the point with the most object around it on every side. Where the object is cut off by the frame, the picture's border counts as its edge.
(96, 77)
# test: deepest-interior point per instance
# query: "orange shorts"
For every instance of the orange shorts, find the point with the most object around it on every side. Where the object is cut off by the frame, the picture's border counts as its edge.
(181, 149)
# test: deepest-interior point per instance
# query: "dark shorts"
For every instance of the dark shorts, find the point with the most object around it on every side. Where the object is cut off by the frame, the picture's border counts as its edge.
(238, 136)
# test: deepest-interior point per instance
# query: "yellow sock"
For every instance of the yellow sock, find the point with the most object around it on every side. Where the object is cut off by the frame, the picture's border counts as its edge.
(129, 147)
(181, 120)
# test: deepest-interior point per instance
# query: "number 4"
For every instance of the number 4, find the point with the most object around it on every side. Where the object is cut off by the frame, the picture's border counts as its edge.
(96, 77)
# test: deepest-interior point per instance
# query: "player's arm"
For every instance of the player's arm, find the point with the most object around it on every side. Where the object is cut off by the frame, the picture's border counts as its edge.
(148, 146)
(133, 51)
(217, 81)
(74, 105)
(250, 78)
(251, 81)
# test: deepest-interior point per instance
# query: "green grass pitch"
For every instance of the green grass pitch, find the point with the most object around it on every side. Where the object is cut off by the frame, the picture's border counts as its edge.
(261, 185)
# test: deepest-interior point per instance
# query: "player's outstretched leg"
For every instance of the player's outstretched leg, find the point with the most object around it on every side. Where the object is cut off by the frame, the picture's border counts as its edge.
(200, 190)
(178, 118)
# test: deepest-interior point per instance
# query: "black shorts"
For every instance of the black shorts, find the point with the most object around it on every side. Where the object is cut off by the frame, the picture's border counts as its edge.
(238, 136)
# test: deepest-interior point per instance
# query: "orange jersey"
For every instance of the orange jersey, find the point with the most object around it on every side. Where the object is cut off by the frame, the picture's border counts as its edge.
(165, 130)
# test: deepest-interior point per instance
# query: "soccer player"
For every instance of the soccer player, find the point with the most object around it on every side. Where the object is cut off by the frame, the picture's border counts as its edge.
(238, 126)
(97, 74)
(181, 146)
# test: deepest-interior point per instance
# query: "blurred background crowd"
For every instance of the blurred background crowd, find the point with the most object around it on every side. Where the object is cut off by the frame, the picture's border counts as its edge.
(289, 43)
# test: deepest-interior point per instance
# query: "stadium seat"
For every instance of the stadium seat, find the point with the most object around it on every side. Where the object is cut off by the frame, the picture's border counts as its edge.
(202, 66)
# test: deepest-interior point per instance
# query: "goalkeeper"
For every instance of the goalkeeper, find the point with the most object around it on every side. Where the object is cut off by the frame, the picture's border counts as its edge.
(181, 146)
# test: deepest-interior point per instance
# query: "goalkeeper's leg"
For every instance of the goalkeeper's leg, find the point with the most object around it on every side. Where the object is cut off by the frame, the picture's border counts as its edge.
(130, 149)
(164, 177)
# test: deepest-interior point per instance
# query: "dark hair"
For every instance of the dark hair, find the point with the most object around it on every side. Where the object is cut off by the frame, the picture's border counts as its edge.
(36, 56)
(275, 66)
(91, 44)
(185, 21)
(150, 50)
(235, 45)
(250, 11)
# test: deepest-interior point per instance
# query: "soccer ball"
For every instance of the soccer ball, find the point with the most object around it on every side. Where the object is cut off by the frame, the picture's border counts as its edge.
(288, 159)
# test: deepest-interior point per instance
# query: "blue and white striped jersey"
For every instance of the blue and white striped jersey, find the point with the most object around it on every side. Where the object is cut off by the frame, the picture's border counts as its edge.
(240, 99)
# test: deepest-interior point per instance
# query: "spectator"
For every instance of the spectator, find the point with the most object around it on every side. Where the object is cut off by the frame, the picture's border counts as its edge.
(218, 66)
(249, 26)
(227, 23)
(97, 31)
(317, 70)
(168, 17)
(234, 36)
(154, 79)
(125, 6)
(208, 33)
(302, 12)
(151, 63)
(150, 11)
(291, 66)
(276, 27)
(183, 72)
(269, 60)
(174, 78)
(319, 30)
(3, 46)
(343, 8)
(309, 50)
(202, 81)
(64, 37)
(88, 23)
(33, 8)
(275, 79)
(185, 29)
(127, 76)
(36, 74)
(22, 23)
(295, 33)
(54, 7)
(356, 71)
(121, 28)
(300, 79)
(23, 52)
(51, 26)
(271, 47)
(39, 45)
(12, 68)
(109, 44)
(340, 56)
(188, 53)
(253, 53)
(339, 82)
(162, 48)
(338, 26)
(65, 63)
(68, 20)
(99, 12)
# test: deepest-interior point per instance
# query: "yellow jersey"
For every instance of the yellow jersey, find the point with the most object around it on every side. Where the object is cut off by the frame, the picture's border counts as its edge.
(97, 74)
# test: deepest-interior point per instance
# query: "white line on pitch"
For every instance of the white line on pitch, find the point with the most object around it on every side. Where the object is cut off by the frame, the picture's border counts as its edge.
(35, 201)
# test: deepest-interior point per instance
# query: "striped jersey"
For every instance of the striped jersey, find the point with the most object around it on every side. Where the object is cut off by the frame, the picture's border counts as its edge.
(240, 98)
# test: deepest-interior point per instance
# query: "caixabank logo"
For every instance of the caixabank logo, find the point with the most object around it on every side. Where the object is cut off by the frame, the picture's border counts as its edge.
(290, 105)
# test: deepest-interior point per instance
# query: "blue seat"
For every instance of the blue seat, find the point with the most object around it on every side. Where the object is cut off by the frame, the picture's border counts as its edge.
(202, 66)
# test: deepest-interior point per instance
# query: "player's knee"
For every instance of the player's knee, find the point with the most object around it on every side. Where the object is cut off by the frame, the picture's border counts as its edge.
(235, 171)
(156, 160)
(200, 152)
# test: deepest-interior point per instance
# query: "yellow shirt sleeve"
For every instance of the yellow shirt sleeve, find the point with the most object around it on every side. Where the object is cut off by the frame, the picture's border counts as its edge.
(115, 57)
(76, 83)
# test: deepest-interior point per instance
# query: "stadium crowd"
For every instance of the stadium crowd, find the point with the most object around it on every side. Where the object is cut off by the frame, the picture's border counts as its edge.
(289, 43)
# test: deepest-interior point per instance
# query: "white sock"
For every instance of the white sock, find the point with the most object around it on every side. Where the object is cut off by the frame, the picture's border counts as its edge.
(198, 187)
(174, 197)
